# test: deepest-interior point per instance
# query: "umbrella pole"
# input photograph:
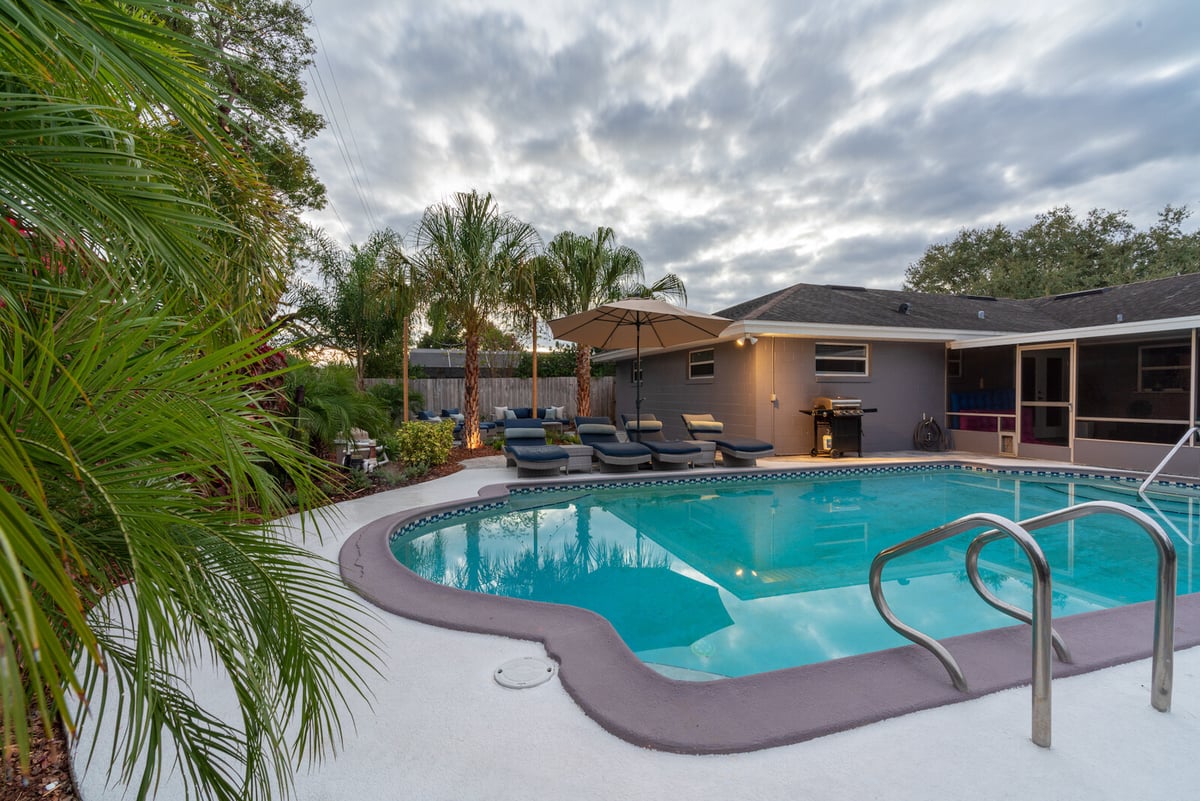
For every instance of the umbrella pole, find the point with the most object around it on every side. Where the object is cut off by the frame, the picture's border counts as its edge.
(637, 365)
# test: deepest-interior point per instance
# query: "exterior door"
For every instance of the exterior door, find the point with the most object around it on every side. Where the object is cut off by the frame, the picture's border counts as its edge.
(1046, 387)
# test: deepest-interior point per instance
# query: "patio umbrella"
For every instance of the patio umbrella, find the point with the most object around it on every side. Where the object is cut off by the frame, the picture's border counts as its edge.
(650, 607)
(632, 322)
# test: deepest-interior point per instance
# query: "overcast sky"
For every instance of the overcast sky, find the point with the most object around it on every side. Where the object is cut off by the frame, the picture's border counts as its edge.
(749, 146)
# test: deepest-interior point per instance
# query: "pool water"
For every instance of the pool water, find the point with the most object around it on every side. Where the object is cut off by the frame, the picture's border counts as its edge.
(730, 577)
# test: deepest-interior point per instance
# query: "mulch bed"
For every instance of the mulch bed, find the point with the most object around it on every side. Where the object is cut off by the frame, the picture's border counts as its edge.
(49, 776)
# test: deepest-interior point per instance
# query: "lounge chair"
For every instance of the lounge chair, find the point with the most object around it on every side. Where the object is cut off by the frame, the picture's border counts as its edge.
(735, 451)
(613, 455)
(647, 430)
(525, 446)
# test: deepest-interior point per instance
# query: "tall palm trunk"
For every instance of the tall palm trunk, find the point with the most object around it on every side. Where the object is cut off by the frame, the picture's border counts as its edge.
(470, 410)
(583, 380)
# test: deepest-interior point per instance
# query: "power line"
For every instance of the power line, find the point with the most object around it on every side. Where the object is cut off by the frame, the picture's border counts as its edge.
(324, 98)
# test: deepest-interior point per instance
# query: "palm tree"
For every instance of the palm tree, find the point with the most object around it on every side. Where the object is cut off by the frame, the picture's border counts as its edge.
(468, 249)
(355, 311)
(403, 293)
(138, 452)
(595, 270)
(535, 288)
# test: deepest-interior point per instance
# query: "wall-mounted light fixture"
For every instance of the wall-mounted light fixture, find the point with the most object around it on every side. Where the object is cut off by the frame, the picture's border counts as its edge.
(743, 340)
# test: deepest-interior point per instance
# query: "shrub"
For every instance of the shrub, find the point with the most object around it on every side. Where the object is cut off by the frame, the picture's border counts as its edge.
(420, 445)
(393, 396)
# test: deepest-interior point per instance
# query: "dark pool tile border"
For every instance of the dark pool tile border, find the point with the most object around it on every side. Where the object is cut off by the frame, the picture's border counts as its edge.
(639, 705)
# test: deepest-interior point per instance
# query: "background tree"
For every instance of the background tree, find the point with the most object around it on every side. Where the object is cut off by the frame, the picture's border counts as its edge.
(257, 111)
(596, 270)
(260, 95)
(467, 248)
(355, 310)
(444, 332)
(534, 289)
(403, 293)
(1058, 253)
(138, 451)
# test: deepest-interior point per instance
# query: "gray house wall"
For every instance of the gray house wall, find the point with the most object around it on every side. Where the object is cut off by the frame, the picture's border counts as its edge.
(906, 380)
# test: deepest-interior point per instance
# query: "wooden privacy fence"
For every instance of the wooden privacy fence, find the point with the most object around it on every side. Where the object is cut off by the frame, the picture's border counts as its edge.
(447, 393)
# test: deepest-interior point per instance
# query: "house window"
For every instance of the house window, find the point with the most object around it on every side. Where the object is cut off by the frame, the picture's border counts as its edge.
(701, 364)
(841, 359)
(1164, 368)
(954, 364)
(635, 372)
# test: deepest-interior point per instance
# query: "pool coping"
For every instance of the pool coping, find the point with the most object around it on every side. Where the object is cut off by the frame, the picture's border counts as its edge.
(634, 702)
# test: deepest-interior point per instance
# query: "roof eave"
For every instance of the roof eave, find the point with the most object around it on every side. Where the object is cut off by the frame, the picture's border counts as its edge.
(1083, 332)
(774, 328)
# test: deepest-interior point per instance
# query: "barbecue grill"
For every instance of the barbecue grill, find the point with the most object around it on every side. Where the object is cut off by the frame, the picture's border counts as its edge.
(837, 425)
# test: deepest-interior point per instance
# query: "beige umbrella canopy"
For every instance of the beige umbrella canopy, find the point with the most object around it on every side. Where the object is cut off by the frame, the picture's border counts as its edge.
(634, 322)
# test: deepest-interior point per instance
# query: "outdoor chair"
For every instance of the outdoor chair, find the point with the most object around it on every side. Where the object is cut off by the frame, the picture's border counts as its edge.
(525, 446)
(647, 430)
(613, 455)
(735, 451)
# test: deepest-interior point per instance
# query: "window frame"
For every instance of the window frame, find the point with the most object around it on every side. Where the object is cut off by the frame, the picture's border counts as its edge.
(1149, 370)
(865, 359)
(711, 362)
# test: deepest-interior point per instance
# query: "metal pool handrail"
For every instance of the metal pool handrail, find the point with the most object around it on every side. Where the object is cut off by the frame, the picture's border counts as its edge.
(1162, 667)
(1154, 473)
(1040, 620)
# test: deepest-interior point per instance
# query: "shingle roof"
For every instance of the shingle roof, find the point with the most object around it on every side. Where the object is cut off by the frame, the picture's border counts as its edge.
(1177, 296)
(836, 305)
(1161, 298)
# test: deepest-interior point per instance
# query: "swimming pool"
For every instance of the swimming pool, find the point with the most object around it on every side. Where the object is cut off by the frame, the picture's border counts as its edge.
(719, 578)
(632, 701)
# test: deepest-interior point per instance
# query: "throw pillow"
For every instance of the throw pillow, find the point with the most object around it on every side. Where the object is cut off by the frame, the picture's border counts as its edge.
(499, 412)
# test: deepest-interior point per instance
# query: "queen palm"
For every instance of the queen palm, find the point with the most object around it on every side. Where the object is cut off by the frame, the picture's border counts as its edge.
(468, 250)
(596, 270)
(399, 287)
(138, 451)
(534, 288)
(355, 311)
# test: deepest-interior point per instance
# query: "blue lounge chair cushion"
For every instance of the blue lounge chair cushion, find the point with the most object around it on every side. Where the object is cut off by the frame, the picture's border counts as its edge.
(537, 453)
(673, 448)
(621, 450)
(525, 433)
(744, 445)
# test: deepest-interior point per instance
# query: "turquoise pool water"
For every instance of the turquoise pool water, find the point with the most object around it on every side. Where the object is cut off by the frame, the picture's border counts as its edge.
(738, 576)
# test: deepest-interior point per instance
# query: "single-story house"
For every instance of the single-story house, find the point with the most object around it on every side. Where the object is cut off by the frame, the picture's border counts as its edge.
(1105, 377)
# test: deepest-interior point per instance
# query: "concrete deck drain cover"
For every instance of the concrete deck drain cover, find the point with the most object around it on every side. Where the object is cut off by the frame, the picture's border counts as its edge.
(530, 671)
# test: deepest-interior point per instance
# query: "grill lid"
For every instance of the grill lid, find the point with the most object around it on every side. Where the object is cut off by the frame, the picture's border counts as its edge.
(837, 403)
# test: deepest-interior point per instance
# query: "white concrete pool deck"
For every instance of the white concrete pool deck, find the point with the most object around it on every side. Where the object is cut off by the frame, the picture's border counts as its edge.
(439, 727)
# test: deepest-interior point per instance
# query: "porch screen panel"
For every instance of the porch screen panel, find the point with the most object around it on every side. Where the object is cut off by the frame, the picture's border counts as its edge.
(1134, 391)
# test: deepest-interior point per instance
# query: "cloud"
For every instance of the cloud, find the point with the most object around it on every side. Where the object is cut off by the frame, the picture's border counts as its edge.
(747, 148)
